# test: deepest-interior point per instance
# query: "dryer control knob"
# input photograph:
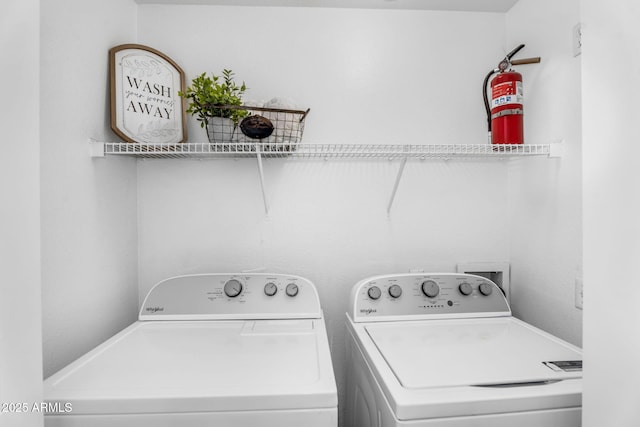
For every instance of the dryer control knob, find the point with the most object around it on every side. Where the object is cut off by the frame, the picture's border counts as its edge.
(430, 288)
(465, 288)
(374, 292)
(232, 288)
(485, 289)
(395, 291)
(270, 289)
(291, 289)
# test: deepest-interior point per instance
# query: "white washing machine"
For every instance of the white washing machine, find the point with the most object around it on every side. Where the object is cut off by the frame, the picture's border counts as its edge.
(239, 350)
(443, 350)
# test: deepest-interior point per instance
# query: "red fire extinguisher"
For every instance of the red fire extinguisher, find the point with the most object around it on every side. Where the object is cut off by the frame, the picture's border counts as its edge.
(505, 112)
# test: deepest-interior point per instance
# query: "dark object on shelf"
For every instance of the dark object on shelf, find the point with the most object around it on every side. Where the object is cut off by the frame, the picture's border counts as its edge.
(288, 126)
(256, 127)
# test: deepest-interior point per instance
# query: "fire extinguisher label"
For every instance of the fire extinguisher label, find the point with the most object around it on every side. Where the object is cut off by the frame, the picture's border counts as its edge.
(507, 93)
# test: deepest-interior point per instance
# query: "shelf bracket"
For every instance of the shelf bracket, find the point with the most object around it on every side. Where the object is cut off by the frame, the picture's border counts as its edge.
(96, 149)
(397, 183)
(557, 149)
(261, 172)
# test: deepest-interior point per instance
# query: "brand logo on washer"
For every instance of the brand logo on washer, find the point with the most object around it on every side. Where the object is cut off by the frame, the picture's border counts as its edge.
(368, 311)
(154, 309)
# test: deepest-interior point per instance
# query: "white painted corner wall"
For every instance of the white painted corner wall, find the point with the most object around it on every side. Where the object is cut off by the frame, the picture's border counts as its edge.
(20, 316)
(611, 88)
(88, 206)
(545, 203)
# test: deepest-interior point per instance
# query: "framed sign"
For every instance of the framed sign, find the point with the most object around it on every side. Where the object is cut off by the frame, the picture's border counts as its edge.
(145, 105)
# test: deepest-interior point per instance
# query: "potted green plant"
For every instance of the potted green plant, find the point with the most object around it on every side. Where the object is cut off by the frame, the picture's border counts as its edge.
(211, 100)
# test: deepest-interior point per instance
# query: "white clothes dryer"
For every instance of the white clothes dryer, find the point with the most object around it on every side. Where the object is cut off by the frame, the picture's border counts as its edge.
(239, 350)
(443, 350)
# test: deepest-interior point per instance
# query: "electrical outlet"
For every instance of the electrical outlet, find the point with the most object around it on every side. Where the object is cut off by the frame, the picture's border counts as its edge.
(577, 39)
(578, 293)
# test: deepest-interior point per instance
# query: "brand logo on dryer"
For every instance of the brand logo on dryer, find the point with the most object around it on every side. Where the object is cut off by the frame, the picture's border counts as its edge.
(154, 309)
(368, 311)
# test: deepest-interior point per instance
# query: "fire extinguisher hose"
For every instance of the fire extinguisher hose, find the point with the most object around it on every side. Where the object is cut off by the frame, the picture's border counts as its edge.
(485, 96)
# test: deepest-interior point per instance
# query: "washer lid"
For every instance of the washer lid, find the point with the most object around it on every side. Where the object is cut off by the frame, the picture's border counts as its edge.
(477, 352)
(201, 366)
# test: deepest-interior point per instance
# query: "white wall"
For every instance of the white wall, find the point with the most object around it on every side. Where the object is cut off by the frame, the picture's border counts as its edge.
(368, 76)
(545, 211)
(611, 71)
(20, 330)
(89, 237)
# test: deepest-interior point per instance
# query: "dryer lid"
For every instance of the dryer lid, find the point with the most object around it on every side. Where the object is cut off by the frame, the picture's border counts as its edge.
(201, 366)
(477, 352)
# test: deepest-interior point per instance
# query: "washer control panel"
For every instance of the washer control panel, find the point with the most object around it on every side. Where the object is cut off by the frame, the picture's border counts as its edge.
(423, 296)
(232, 296)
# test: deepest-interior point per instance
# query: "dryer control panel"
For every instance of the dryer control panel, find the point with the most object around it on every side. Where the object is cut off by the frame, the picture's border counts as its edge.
(426, 296)
(232, 296)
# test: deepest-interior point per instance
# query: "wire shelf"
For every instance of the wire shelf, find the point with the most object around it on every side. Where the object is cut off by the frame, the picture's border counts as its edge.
(321, 151)
(259, 151)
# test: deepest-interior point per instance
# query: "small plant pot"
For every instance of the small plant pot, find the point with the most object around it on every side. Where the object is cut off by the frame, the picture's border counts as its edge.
(222, 130)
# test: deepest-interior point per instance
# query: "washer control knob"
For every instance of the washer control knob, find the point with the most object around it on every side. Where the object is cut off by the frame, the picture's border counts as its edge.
(395, 291)
(270, 289)
(291, 289)
(232, 288)
(465, 288)
(374, 292)
(430, 288)
(485, 289)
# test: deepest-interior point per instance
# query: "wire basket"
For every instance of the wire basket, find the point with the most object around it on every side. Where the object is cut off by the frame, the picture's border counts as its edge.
(227, 136)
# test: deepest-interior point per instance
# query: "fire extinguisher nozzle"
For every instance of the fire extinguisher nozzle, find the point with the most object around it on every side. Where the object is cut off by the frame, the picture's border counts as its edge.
(514, 51)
